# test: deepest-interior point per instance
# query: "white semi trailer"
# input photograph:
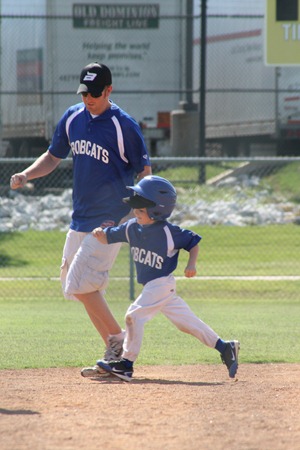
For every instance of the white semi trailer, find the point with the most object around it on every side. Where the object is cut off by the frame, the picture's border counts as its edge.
(251, 108)
(41, 60)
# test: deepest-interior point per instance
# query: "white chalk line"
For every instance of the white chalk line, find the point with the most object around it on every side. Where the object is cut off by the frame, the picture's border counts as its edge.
(205, 278)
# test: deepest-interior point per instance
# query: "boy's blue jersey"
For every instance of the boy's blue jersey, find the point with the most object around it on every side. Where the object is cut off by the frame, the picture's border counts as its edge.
(154, 248)
(107, 152)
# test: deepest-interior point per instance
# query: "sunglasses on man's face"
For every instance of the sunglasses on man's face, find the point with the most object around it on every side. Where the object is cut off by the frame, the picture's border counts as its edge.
(85, 94)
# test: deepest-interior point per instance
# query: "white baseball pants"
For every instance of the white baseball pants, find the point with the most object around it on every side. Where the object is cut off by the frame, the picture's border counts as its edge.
(160, 296)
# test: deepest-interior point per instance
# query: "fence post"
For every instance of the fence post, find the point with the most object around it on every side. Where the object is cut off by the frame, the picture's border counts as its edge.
(202, 174)
(131, 277)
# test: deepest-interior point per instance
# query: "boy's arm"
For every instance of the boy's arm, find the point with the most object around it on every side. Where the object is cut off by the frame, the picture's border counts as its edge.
(190, 270)
(100, 235)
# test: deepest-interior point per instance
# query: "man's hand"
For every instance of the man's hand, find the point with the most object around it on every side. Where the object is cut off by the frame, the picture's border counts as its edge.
(18, 180)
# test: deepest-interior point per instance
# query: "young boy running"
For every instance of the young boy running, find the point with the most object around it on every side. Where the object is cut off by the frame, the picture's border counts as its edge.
(155, 244)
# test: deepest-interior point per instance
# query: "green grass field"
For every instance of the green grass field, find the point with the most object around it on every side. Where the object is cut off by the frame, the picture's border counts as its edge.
(38, 328)
(230, 251)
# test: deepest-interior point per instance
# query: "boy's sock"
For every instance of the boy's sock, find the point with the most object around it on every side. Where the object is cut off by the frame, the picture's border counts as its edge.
(220, 346)
(128, 364)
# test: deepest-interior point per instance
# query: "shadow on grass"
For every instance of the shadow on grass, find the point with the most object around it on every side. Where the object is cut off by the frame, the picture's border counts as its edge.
(7, 260)
(11, 261)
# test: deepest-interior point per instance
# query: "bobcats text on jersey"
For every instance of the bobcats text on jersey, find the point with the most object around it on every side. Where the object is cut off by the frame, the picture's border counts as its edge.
(147, 257)
(83, 147)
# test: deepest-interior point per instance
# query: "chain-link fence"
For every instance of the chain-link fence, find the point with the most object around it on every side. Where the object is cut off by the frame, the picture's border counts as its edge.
(45, 44)
(154, 52)
(248, 213)
(246, 209)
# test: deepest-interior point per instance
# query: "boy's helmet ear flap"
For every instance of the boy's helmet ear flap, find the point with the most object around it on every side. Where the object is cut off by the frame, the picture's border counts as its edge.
(161, 192)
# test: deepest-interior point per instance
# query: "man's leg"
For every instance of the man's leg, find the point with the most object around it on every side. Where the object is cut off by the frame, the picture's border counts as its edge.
(100, 314)
(86, 278)
(110, 331)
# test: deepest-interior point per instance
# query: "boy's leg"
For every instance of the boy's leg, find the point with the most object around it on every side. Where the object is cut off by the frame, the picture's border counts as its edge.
(153, 296)
(185, 320)
(149, 303)
(179, 313)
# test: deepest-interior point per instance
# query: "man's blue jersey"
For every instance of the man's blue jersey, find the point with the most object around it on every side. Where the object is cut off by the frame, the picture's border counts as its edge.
(107, 152)
(154, 248)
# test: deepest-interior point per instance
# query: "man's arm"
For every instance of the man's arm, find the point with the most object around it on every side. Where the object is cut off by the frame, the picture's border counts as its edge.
(147, 171)
(44, 165)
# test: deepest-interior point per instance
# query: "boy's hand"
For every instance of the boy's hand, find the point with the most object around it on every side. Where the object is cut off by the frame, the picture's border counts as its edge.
(97, 231)
(100, 235)
(190, 271)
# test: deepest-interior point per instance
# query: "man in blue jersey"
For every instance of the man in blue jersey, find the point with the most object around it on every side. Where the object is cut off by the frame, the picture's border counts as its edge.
(155, 244)
(108, 151)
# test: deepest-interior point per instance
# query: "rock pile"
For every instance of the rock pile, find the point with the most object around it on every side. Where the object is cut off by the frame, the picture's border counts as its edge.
(19, 212)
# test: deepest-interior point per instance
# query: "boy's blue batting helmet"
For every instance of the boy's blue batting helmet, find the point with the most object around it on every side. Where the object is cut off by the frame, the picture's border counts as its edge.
(156, 194)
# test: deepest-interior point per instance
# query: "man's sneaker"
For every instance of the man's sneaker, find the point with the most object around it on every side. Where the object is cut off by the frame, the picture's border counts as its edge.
(230, 357)
(95, 371)
(117, 368)
(112, 353)
(114, 350)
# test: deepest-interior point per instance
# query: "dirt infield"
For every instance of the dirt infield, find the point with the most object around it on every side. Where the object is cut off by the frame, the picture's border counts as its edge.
(171, 408)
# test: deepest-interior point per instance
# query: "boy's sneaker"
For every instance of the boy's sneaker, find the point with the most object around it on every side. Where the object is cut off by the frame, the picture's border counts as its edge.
(95, 371)
(117, 368)
(230, 357)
